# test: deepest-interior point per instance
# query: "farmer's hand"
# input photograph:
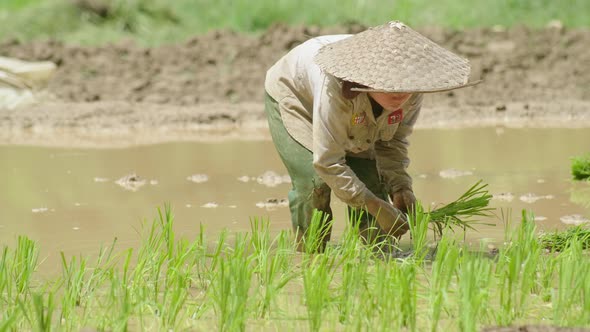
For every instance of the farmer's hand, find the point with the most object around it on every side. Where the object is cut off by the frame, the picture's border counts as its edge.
(391, 220)
(404, 200)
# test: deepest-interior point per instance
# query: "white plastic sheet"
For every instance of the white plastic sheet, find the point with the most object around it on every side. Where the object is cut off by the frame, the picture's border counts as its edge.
(21, 80)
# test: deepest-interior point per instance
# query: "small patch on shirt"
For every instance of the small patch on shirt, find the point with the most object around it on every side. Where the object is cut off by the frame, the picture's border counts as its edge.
(358, 118)
(395, 117)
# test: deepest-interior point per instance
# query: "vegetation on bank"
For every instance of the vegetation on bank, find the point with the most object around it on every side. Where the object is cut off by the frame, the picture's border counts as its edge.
(256, 280)
(581, 167)
(159, 21)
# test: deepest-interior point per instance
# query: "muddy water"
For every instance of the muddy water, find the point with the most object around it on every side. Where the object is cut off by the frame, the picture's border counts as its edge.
(70, 199)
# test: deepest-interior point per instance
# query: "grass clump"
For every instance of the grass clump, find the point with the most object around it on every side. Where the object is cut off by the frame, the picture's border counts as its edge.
(559, 240)
(581, 167)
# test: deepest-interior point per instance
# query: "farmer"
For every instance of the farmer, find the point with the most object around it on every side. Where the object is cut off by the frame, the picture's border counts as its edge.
(340, 109)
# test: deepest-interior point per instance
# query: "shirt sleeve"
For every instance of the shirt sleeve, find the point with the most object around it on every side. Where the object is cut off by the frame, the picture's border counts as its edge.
(331, 117)
(392, 156)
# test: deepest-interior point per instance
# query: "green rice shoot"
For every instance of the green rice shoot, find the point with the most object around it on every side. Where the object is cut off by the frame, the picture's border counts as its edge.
(559, 240)
(242, 281)
(462, 212)
(581, 167)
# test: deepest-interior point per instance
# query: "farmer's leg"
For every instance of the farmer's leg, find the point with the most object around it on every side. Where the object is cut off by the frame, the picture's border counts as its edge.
(309, 192)
(366, 171)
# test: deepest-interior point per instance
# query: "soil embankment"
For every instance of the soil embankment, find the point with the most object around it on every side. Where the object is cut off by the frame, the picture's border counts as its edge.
(212, 86)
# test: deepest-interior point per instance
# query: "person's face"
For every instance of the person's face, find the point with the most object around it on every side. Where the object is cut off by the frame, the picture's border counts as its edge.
(390, 101)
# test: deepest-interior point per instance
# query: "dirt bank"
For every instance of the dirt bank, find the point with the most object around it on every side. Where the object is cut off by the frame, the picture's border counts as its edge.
(211, 86)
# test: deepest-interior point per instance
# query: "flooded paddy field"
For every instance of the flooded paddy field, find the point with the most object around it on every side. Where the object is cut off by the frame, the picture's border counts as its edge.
(236, 273)
(75, 200)
(124, 129)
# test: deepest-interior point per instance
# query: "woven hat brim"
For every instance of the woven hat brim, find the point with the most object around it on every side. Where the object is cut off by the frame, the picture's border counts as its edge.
(394, 58)
(466, 85)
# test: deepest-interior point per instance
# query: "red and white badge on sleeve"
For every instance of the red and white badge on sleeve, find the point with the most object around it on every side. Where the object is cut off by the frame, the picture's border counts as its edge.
(395, 117)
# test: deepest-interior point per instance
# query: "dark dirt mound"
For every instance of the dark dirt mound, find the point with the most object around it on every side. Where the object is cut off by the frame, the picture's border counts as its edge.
(519, 64)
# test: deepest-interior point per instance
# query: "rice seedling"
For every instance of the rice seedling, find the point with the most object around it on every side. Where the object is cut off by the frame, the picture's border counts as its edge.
(558, 240)
(42, 313)
(319, 226)
(24, 263)
(353, 278)
(73, 274)
(573, 275)
(405, 279)
(443, 270)
(272, 268)
(245, 283)
(581, 167)
(177, 280)
(585, 319)
(381, 297)
(461, 212)
(419, 221)
(474, 278)
(120, 301)
(354, 273)
(318, 273)
(200, 272)
(5, 281)
(351, 246)
(7, 322)
(516, 270)
(546, 274)
(232, 285)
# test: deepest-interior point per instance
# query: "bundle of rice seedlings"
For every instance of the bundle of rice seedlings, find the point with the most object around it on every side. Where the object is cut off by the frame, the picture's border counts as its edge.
(461, 213)
(581, 167)
(559, 240)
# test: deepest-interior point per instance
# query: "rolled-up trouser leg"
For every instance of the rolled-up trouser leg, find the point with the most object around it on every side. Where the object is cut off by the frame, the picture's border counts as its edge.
(366, 171)
(309, 191)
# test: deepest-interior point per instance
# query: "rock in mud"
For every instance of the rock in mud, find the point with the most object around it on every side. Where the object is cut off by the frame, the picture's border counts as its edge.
(503, 197)
(273, 203)
(210, 205)
(272, 179)
(131, 182)
(39, 210)
(531, 198)
(198, 178)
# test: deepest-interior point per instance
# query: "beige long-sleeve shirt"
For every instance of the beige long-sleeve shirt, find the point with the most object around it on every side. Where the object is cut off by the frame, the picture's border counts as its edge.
(316, 114)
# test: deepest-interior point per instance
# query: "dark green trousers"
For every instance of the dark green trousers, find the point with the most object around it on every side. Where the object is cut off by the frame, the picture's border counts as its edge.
(309, 191)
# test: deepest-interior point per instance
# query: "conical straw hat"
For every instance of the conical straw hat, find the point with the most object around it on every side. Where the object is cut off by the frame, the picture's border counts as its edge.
(394, 58)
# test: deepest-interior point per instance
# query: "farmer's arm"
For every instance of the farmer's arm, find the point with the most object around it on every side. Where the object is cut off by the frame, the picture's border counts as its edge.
(392, 156)
(330, 134)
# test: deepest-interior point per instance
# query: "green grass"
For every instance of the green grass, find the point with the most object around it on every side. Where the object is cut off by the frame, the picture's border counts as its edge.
(158, 21)
(558, 240)
(581, 167)
(256, 280)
